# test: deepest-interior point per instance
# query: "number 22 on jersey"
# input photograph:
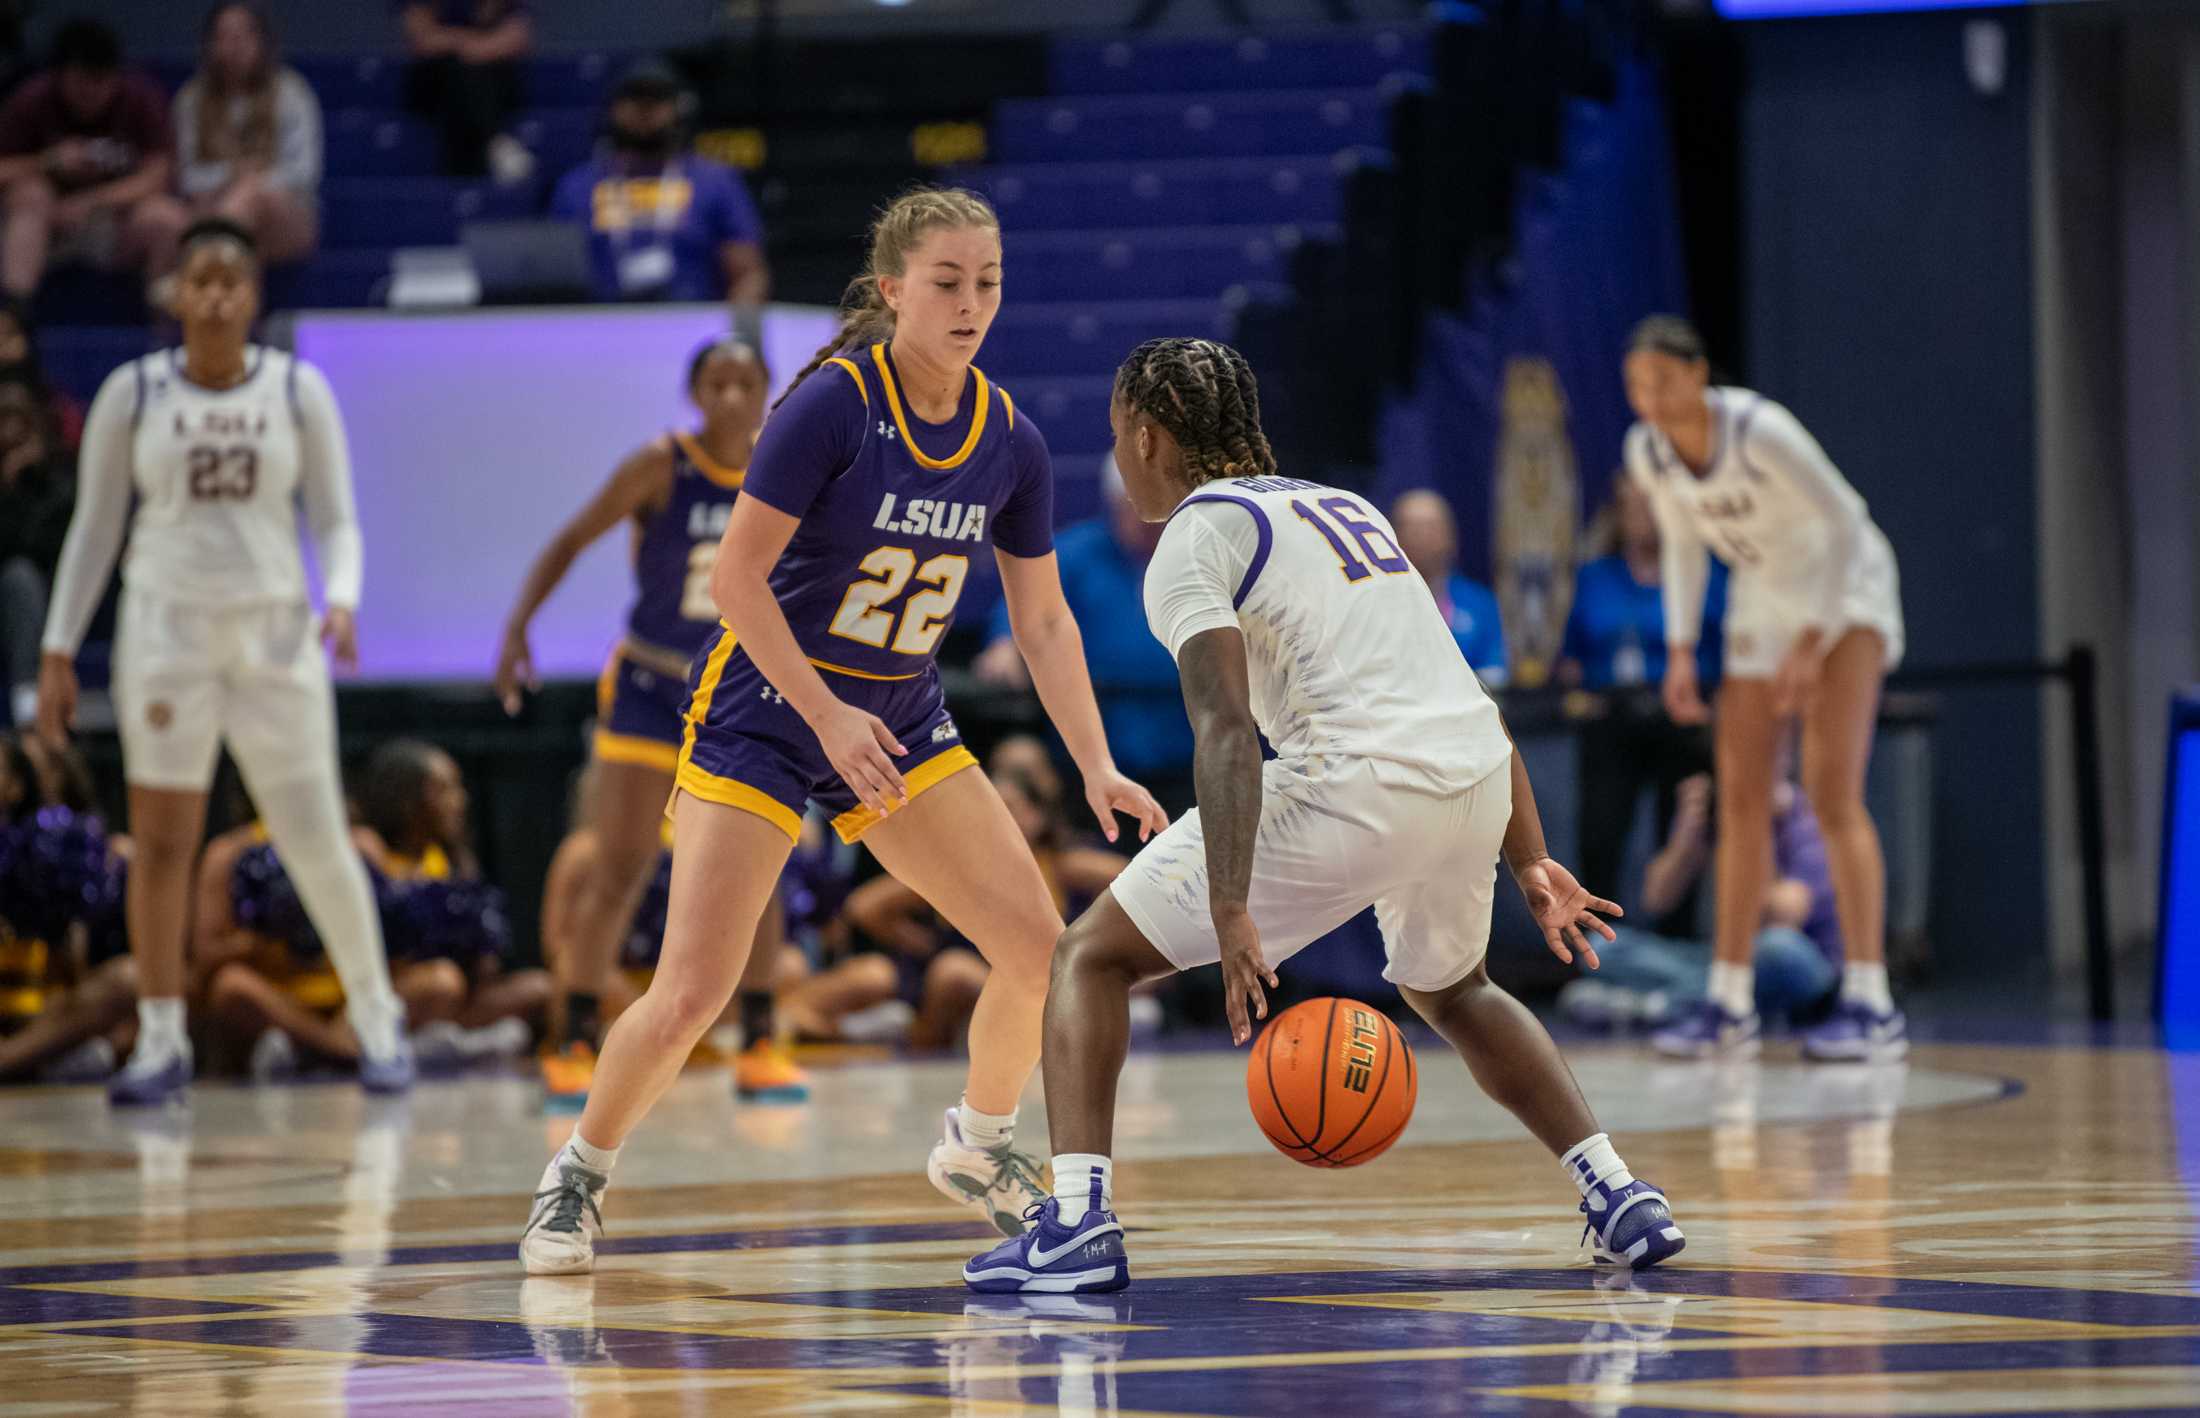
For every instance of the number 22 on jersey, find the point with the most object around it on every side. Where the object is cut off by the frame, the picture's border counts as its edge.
(922, 618)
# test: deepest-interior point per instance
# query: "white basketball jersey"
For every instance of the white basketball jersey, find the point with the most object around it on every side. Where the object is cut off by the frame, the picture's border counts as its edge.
(216, 475)
(1771, 505)
(1348, 655)
(219, 477)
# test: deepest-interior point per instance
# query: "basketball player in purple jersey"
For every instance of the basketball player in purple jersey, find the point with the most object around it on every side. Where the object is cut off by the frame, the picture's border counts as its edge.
(677, 491)
(890, 463)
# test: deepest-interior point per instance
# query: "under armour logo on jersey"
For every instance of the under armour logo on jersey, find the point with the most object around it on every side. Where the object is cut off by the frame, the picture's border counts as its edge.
(770, 695)
(886, 430)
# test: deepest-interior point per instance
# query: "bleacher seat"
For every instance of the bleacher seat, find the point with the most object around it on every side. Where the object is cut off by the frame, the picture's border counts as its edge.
(1162, 65)
(1071, 409)
(1037, 338)
(1180, 263)
(387, 212)
(1189, 191)
(1146, 127)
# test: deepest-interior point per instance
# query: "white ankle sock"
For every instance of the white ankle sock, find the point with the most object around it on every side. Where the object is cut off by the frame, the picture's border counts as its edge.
(160, 1026)
(1733, 988)
(1083, 1181)
(1588, 1162)
(595, 1159)
(985, 1130)
(1867, 984)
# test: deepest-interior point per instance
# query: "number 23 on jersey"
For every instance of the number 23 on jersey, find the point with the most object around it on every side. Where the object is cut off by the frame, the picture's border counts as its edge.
(916, 628)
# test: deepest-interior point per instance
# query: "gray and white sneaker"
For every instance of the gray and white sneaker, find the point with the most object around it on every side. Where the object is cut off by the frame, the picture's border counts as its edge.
(999, 1183)
(561, 1233)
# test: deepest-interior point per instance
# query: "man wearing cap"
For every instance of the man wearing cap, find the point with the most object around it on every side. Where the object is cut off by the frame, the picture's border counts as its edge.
(663, 224)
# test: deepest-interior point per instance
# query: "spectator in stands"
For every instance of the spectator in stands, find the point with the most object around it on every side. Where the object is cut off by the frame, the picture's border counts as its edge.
(1645, 977)
(663, 224)
(1103, 564)
(918, 978)
(19, 355)
(84, 163)
(37, 494)
(68, 992)
(1615, 646)
(1428, 533)
(248, 135)
(465, 77)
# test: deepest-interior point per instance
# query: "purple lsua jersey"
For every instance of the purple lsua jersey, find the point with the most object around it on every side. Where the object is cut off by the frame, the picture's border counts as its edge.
(674, 549)
(893, 509)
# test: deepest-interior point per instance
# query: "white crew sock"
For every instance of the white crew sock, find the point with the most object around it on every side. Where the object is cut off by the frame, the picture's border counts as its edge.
(160, 1028)
(1733, 987)
(1867, 984)
(1083, 1181)
(1592, 1161)
(985, 1131)
(305, 822)
(595, 1159)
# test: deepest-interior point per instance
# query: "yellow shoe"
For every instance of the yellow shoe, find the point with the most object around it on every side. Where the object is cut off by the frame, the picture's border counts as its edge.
(567, 1073)
(764, 1072)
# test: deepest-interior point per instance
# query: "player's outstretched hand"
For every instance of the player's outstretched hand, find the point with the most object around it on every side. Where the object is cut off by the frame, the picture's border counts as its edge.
(515, 670)
(1243, 970)
(1564, 909)
(1109, 793)
(1683, 700)
(862, 751)
(340, 632)
(56, 697)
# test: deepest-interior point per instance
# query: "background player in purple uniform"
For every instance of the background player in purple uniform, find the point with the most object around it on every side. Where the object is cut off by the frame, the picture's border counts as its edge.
(890, 462)
(676, 491)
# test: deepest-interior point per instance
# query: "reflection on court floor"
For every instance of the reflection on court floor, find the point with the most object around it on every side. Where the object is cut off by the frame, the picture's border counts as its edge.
(1982, 1231)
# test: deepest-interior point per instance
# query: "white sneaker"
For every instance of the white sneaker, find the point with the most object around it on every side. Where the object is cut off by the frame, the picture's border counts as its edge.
(561, 1233)
(509, 161)
(886, 1022)
(92, 1061)
(274, 1055)
(998, 1183)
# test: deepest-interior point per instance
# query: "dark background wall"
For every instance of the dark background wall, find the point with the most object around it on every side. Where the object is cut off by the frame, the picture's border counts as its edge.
(1887, 297)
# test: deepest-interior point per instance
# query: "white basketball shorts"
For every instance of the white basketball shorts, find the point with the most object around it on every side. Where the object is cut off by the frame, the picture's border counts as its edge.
(1761, 627)
(188, 677)
(1329, 846)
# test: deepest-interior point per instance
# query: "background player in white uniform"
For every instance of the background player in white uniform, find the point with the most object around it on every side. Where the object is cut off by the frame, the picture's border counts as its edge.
(221, 441)
(1813, 625)
(1290, 608)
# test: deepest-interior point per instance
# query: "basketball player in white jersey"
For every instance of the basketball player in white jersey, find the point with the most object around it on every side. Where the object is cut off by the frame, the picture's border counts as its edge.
(1813, 625)
(1291, 610)
(221, 441)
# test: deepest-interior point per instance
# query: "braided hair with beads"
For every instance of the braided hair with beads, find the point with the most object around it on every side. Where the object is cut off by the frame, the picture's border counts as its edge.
(1203, 392)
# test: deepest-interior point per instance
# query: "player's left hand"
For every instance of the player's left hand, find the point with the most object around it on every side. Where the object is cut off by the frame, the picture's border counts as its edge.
(1109, 793)
(340, 632)
(1563, 909)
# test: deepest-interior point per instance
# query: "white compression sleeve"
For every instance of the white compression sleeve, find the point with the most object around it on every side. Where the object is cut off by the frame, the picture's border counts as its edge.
(1684, 562)
(102, 510)
(305, 822)
(324, 479)
(1777, 442)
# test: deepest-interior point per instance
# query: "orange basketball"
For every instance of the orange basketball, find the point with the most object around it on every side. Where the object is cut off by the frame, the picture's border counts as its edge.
(1331, 1083)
